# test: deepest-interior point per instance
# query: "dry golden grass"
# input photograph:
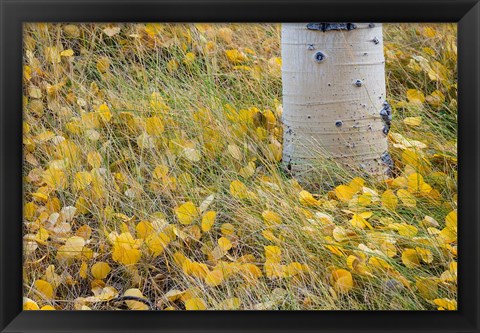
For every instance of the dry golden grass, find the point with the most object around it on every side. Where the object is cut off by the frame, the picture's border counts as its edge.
(151, 168)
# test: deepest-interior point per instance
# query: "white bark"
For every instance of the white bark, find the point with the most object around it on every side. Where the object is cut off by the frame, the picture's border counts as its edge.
(331, 106)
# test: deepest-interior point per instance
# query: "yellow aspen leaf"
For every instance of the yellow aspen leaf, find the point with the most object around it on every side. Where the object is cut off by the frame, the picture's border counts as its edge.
(67, 53)
(410, 258)
(389, 249)
(103, 294)
(224, 243)
(235, 56)
(406, 198)
(206, 203)
(172, 65)
(275, 66)
(103, 112)
(125, 255)
(357, 265)
(187, 213)
(415, 160)
(334, 249)
(90, 120)
(125, 249)
(195, 303)
(342, 280)
(400, 182)
(435, 99)
(429, 221)
(307, 199)
(270, 118)
(428, 288)
(208, 220)
(366, 215)
(135, 305)
(344, 192)
(273, 253)
(214, 278)
(103, 64)
(29, 304)
(157, 103)
(425, 254)
(73, 248)
(157, 243)
(362, 200)
(412, 121)
(42, 236)
(294, 268)
(274, 270)
(239, 190)
(230, 304)
(235, 152)
(160, 172)
(82, 272)
(52, 54)
(415, 96)
(154, 126)
(274, 152)
(27, 73)
(189, 58)
(269, 235)
(144, 229)
(340, 234)
(357, 184)
(379, 263)
(82, 205)
(34, 92)
(111, 31)
(271, 218)
(84, 231)
(100, 270)
(55, 178)
(82, 180)
(324, 218)
(179, 258)
(71, 31)
(192, 154)
(438, 72)
(416, 184)
(225, 34)
(448, 235)
(451, 220)
(389, 200)
(29, 210)
(359, 221)
(407, 230)
(227, 229)
(173, 295)
(453, 268)
(94, 159)
(429, 32)
(153, 29)
(45, 136)
(47, 308)
(44, 288)
(445, 304)
(251, 272)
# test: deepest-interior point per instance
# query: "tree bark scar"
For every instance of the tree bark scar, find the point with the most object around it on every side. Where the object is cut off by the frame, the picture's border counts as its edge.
(387, 160)
(386, 114)
(325, 26)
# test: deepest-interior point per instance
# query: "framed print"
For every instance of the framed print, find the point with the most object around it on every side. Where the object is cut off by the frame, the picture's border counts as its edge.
(237, 165)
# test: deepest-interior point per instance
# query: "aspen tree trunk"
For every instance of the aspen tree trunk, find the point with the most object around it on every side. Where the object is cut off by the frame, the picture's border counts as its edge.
(334, 102)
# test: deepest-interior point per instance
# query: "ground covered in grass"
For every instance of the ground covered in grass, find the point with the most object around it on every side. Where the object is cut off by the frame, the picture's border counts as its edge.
(152, 170)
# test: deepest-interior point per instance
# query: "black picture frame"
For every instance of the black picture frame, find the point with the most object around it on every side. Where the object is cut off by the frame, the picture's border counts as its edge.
(13, 13)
